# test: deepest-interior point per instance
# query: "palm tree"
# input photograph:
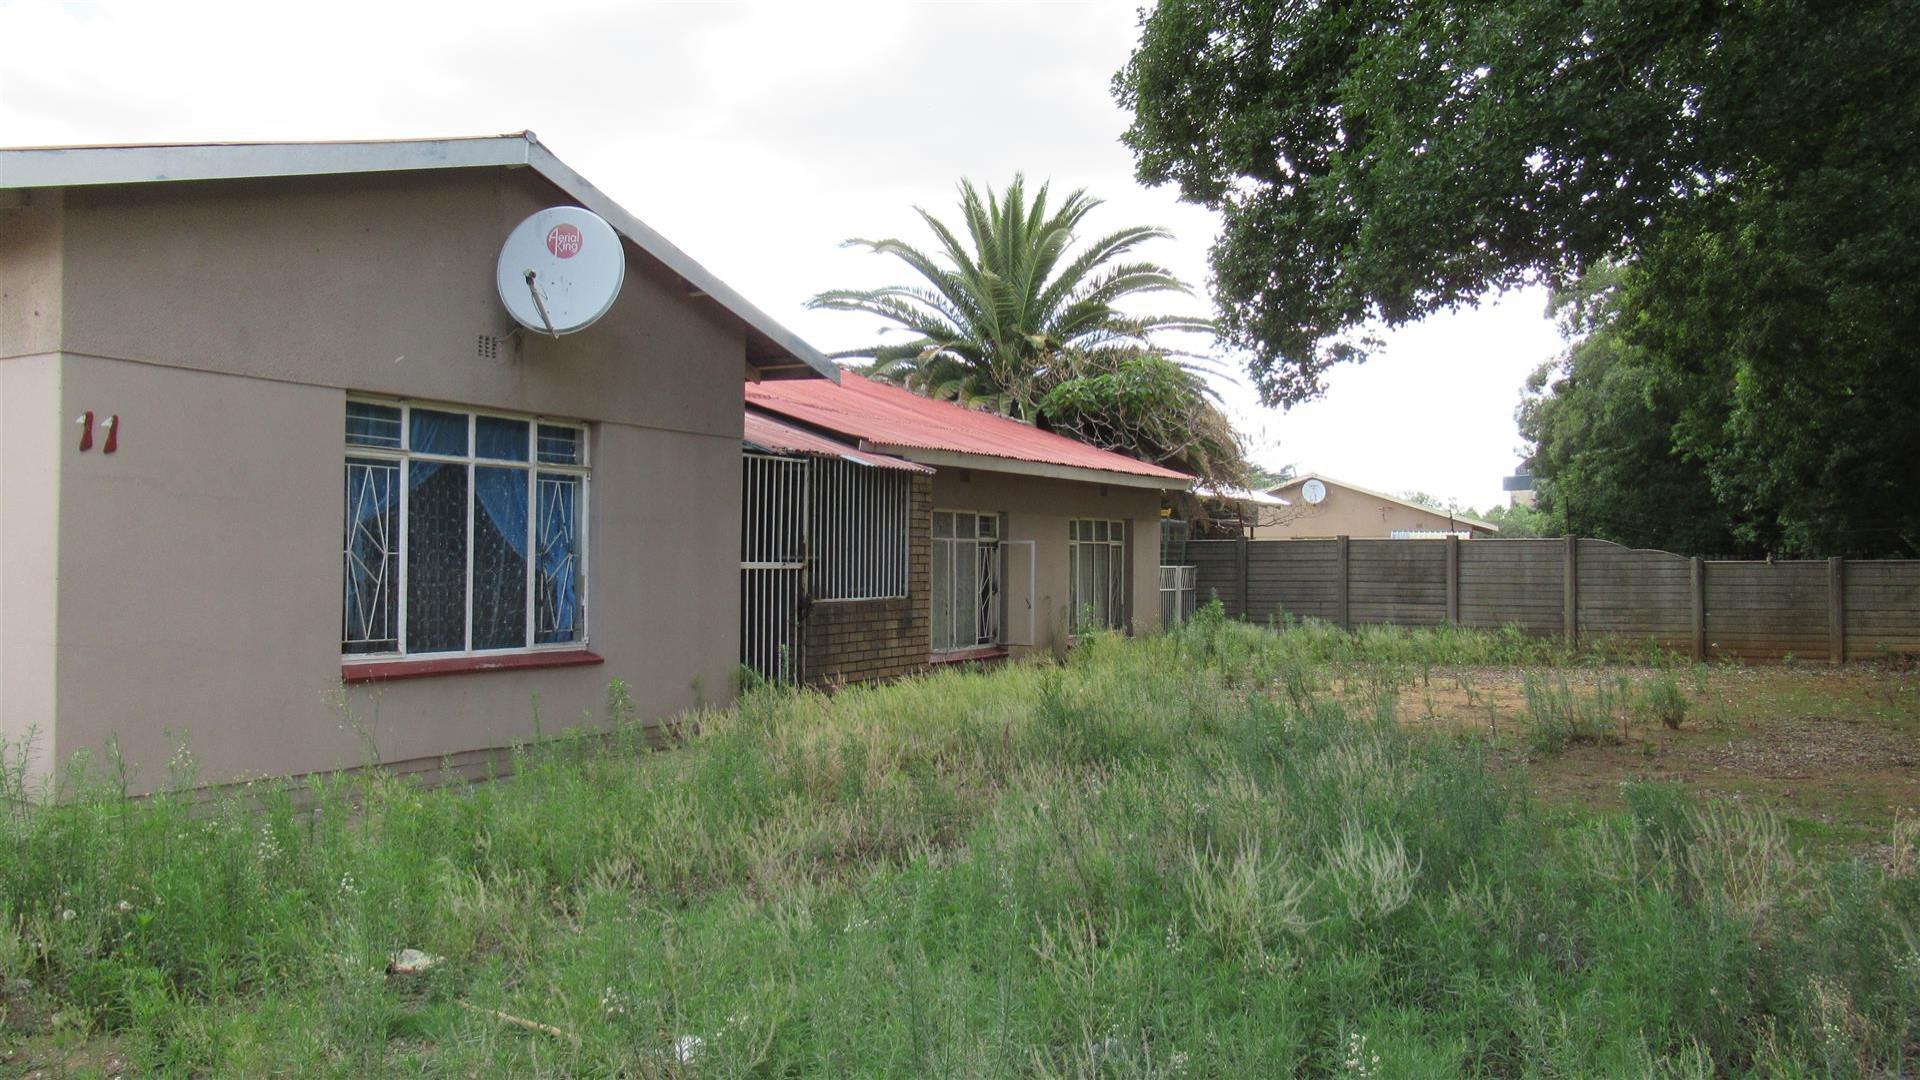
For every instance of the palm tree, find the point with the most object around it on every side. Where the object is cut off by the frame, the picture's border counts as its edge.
(997, 322)
(1011, 321)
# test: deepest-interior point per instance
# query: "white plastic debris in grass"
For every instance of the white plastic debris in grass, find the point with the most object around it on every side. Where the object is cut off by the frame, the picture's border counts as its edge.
(687, 1048)
(411, 962)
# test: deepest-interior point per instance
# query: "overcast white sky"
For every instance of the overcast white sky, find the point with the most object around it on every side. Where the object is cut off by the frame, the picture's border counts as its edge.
(757, 136)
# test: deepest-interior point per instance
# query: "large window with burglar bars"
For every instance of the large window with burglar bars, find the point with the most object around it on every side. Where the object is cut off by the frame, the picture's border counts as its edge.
(857, 547)
(966, 580)
(464, 532)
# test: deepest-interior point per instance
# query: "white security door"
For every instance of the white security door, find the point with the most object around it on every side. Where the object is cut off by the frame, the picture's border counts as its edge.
(773, 565)
(1017, 590)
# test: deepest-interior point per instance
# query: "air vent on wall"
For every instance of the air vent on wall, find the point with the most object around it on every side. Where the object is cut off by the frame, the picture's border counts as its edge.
(488, 347)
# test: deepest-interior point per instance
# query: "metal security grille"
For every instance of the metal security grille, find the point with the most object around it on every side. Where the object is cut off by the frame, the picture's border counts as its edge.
(859, 539)
(464, 532)
(1177, 587)
(773, 564)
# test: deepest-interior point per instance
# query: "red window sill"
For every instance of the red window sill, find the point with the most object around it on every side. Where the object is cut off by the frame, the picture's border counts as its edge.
(388, 670)
(962, 656)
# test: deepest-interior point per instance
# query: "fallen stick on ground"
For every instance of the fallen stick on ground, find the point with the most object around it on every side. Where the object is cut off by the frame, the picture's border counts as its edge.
(518, 1021)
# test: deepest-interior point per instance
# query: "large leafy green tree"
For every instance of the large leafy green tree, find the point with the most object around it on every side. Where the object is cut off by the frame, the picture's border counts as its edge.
(1383, 159)
(1795, 323)
(1600, 421)
(1753, 165)
(1642, 434)
(1009, 313)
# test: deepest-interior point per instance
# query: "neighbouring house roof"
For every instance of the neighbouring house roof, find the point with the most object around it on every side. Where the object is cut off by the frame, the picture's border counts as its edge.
(889, 419)
(776, 436)
(777, 351)
(1464, 519)
(1231, 493)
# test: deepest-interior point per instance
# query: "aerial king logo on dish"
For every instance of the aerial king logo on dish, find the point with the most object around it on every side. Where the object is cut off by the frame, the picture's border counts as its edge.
(564, 241)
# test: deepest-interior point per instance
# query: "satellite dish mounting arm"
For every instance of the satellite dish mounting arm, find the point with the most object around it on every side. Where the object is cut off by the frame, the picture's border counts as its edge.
(541, 305)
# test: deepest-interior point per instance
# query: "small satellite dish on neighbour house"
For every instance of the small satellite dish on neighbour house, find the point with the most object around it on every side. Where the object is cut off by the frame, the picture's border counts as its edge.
(1314, 492)
(560, 270)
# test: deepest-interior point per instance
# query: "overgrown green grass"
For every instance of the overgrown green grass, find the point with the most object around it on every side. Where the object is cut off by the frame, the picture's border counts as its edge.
(1176, 856)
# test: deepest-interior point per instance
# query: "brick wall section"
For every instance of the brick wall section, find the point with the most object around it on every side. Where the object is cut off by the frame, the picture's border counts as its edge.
(851, 641)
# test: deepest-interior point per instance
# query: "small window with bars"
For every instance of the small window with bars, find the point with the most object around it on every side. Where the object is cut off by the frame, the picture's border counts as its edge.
(463, 532)
(858, 547)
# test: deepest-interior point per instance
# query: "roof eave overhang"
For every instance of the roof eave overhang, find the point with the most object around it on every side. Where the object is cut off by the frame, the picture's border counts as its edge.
(775, 350)
(868, 460)
(1018, 467)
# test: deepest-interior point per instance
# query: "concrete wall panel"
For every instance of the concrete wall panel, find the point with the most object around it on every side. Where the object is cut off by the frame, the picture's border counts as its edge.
(32, 240)
(34, 430)
(201, 593)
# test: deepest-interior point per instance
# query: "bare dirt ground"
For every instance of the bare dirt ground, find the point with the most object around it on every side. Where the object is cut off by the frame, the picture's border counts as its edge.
(1834, 751)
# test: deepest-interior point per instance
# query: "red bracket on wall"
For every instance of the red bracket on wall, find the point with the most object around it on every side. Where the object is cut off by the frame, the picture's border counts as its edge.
(113, 434)
(86, 433)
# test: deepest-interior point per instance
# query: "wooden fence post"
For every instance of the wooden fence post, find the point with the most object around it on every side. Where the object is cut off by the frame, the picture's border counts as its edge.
(1453, 580)
(1340, 585)
(1836, 610)
(1697, 587)
(1570, 591)
(1240, 556)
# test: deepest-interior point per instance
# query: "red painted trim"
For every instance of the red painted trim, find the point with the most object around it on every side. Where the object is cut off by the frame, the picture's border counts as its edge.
(386, 670)
(962, 656)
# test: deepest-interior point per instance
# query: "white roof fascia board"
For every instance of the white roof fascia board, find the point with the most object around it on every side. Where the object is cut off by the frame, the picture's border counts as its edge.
(1409, 504)
(86, 166)
(989, 463)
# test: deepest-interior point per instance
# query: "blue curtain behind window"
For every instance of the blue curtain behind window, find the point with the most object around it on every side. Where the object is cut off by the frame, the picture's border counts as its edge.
(500, 558)
(499, 439)
(503, 497)
(502, 494)
(434, 432)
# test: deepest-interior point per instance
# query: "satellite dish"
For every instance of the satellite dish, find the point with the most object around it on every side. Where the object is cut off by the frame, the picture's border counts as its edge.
(1314, 492)
(560, 270)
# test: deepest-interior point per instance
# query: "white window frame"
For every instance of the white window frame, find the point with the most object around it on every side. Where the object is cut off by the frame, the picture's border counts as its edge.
(1080, 542)
(990, 564)
(533, 466)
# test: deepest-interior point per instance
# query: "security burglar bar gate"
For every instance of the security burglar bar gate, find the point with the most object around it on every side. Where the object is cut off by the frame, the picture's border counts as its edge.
(773, 564)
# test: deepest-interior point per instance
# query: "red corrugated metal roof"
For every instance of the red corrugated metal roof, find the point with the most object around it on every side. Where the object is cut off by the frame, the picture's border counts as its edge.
(882, 415)
(775, 436)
